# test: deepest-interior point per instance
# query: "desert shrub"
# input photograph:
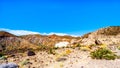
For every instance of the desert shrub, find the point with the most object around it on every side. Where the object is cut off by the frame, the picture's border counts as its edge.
(55, 47)
(118, 47)
(43, 47)
(92, 45)
(74, 46)
(60, 56)
(1, 54)
(103, 53)
(48, 49)
(85, 48)
(51, 51)
(103, 46)
(78, 45)
(68, 52)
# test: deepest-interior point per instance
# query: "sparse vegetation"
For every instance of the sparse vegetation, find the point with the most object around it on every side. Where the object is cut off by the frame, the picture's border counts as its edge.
(78, 45)
(1, 54)
(43, 47)
(51, 51)
(118, 47)
(55, 47)
(103, 46)
(103, 53)
(85, 48)
(64, 53)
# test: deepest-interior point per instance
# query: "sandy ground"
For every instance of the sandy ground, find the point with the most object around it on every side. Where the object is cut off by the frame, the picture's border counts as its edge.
(76, 59)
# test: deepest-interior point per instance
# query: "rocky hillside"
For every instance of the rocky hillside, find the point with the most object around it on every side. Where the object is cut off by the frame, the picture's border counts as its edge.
(6, 34)
(109, 35)
(50, 40)
(11, 43)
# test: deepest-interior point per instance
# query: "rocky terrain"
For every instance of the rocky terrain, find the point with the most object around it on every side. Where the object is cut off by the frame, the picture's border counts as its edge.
(108, 36)
(53, 51)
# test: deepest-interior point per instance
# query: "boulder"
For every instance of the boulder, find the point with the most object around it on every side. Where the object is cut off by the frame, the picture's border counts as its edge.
(31, 53)
(98, 42)
(9, 65)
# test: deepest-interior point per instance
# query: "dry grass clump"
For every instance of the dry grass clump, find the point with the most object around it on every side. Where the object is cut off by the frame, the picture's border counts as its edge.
(86, 48)
(64, 53)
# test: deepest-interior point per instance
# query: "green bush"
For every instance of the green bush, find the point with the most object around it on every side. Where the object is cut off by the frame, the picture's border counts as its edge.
(51, 51)
(55, 48)
(103, 53)
(43, 47)
(1, 54)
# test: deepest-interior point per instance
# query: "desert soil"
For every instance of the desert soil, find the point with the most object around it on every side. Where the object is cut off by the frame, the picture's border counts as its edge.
(76, 59)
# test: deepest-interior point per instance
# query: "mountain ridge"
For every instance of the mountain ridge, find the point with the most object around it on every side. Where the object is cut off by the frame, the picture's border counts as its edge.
(8, 41)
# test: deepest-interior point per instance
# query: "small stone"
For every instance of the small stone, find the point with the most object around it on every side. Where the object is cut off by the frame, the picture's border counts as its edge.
(82, 66)
(31, 53)
(97, 42)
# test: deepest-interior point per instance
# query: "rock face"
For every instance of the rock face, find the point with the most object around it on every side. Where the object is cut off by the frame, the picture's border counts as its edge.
(109, 35)
(50, 40)
(12, 43)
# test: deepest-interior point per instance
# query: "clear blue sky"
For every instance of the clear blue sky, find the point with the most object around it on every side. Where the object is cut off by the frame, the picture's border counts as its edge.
(63, 16)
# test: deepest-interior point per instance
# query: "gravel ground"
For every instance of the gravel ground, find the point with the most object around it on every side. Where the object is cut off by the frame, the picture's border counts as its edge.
(76, 59)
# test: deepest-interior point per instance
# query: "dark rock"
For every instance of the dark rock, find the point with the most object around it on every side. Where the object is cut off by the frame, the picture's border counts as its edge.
(12, 55)
(82, 66)
(61, 59)
(97, 42)
(31, 53)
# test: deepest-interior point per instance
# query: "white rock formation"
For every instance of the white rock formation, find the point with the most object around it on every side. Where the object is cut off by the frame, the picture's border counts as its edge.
(62, 44)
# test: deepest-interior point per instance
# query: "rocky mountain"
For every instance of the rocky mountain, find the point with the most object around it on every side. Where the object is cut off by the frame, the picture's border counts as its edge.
(109, 36)
(10, 42)
(50, 40)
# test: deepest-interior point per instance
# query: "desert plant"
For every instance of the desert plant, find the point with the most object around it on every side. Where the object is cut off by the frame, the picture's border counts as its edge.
(43, 47)
(78, 45)
(55, 48)
(118, 47)
(73, 47)
(51, 51)
(60, 55)
(103, 53)
(103, 46)
(85, 48)
(1, 54)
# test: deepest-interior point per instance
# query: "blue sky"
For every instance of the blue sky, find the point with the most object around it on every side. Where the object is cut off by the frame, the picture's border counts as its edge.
(59, 16)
